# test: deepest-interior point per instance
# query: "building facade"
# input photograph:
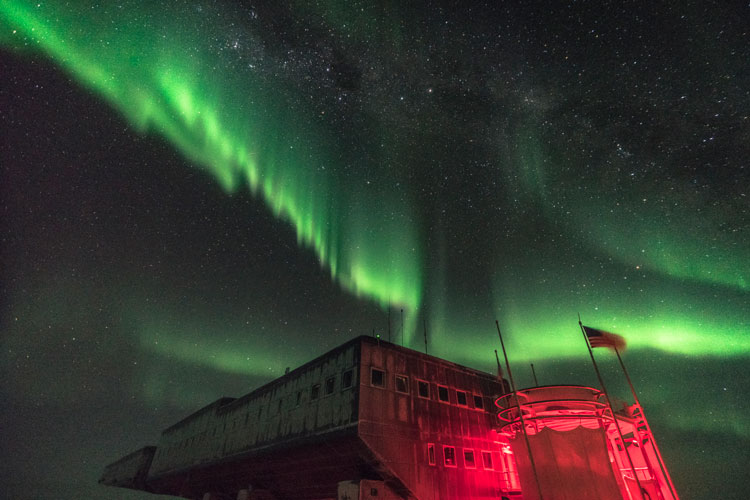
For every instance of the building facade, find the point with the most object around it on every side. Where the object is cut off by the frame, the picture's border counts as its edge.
(369, 419)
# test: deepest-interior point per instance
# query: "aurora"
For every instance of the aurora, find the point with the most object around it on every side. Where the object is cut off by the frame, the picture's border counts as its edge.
(235, 126)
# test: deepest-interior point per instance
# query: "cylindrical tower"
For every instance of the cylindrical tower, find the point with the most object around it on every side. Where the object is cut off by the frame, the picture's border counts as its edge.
(576, 448)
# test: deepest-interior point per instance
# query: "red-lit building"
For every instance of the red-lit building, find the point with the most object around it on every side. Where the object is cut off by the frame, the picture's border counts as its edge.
(370, 419)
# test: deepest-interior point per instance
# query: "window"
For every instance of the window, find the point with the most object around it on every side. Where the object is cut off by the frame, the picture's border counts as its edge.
(449, 454)
(487, 460)
(330, 383)
(402, 384)
(478, 402)
(299, 397)
(461, 398)
(443, 393)
(469, 462)
(279, 408)
(423, 389)
(314, 392)
(377, 378)
(431, 454)
(346, 379)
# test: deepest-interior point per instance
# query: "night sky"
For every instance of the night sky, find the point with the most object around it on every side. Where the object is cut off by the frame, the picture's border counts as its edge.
(196, 196)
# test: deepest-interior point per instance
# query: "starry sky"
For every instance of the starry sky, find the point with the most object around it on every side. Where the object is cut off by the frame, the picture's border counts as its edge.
(197, 195)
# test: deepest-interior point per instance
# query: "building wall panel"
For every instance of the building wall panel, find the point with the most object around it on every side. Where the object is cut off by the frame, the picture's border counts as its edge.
(398, 427)
(264, 417)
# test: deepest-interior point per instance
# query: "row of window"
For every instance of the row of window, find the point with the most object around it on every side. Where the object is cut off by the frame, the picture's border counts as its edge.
(377, 379)
(449, 457)
(329, 386)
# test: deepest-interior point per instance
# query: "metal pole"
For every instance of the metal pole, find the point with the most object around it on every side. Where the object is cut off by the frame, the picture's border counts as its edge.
(663, 467)
(402, 328)
(520, 412)
(389, 322)
(612, 410)
(424, 325)
(533, 372)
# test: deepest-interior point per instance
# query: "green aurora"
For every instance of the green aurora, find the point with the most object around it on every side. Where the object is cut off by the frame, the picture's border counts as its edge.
(658, 241)
(243, 131)
(258, 133)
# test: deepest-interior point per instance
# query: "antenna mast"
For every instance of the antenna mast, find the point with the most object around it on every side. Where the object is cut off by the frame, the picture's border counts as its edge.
(402, 327)
(389, 321)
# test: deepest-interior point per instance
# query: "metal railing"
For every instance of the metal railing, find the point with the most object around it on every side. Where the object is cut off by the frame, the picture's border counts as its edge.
(644, 473)
(545, 405)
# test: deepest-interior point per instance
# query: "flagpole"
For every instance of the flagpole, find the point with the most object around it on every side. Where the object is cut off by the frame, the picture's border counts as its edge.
(648, 428)
(611, 409)
(520, 412)
(506, 387)
(402, 327)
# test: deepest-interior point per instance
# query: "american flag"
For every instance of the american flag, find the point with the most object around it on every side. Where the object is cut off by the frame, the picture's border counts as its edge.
(600, 338)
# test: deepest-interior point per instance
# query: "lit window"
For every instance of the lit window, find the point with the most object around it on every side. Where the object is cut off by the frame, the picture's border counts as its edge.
(330, 383)
(461, 398)
(449, 454)
(346, 379)
(377, 378)
(469, 459)
(431, 454)
(478, 402)
(443, 394)
(402, 384)
(423, 389)
(314, 392)
(487, 460)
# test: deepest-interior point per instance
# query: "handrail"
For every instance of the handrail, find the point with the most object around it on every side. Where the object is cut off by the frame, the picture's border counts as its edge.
(591, 408)
(643, 472)
(539, 404)
(529, 393)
